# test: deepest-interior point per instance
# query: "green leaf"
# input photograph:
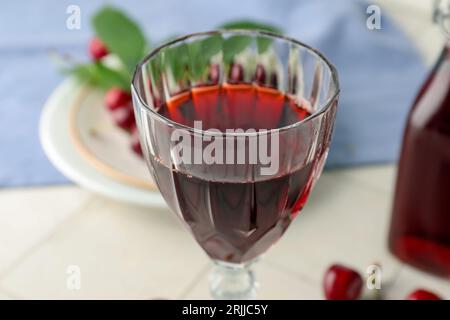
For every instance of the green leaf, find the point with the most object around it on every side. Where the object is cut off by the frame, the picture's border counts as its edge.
(233, 45)
(121, 35)
(194, 56)
(262, 43)
(251, 25)
(211, 46)
(100, 75)
(196, 61)
(201, 52)
(176, 59)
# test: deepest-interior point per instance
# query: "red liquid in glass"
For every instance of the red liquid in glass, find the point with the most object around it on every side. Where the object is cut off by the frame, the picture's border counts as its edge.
(420, 227)
(235, 221)
(233, 106)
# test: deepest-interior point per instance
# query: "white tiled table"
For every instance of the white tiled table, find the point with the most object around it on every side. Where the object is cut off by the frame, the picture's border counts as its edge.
(126, 251)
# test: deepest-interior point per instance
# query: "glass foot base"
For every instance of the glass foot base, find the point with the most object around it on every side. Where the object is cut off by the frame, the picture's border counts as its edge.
(230, 281)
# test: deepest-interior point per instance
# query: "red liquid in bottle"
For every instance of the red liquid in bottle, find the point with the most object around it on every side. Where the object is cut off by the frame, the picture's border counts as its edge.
(420, 226)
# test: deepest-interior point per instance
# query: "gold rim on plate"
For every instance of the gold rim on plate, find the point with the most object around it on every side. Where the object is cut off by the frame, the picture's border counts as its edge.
(99, 164)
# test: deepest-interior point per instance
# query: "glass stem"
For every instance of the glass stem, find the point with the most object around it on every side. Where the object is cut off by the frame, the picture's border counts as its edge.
(230, 281)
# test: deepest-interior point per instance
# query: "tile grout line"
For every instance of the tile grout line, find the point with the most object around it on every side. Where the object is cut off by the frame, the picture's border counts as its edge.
(193, 282)
(282, 268)
(44, 239)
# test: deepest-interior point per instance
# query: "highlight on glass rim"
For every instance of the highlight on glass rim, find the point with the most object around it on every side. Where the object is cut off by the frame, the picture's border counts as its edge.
(185, 151)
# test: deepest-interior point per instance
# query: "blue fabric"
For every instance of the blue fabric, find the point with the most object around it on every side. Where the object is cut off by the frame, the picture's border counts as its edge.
(379, 70)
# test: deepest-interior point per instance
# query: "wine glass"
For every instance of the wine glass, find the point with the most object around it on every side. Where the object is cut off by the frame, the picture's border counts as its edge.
(235, 127)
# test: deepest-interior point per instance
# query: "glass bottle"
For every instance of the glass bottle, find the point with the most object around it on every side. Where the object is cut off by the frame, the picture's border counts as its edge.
(420, 225)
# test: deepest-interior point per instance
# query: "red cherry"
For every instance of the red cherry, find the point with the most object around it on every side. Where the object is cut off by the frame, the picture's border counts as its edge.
(214, 74)
(135, 142)
(274, 80)
(236, 73)
(260, 75)
(342, 283)
(116, 98)
(422, 294)
(124, 117)
(97, 49)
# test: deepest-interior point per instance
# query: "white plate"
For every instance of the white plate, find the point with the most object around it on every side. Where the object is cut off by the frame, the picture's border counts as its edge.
(102, 143)
(85, 169)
